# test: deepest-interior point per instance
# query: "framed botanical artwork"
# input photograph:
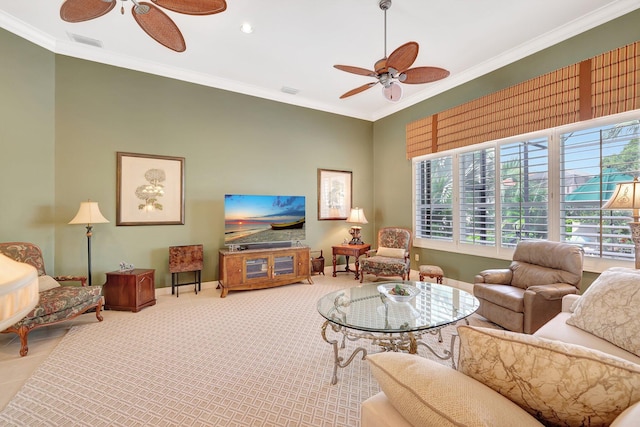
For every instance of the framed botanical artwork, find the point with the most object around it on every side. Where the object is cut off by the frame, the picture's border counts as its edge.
(149, 189)
(334, 194)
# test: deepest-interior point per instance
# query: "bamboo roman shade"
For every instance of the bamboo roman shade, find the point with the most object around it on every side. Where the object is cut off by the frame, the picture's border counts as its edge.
(604, 85)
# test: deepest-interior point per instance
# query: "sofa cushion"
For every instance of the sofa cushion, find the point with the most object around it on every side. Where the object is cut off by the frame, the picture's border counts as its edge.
(428, 393)
(525, 275)
(558, 329)
(506, 296)
(384, 266)
(46, 282)
(391, 252)
(377, 411)
(610, 308)
(558, 383)
(63, 298)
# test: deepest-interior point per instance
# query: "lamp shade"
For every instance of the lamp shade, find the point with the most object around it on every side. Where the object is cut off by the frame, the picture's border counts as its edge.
(626, 196)
(89, 213)
(357, 216)
(18, 291)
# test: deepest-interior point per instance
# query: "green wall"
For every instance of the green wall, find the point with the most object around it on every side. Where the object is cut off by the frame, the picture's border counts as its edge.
(232, 143)
(27, 125)
(64, 119)
(392, 180)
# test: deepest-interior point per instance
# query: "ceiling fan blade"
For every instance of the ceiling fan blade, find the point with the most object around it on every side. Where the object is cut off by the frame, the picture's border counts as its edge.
(358, 90)
(160, 27)
(84, 10)
(403, 57)
(356, 70)
(419, 75)
(194, 7)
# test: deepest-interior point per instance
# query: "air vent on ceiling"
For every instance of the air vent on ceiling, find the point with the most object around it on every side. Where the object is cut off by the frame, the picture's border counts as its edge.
(289, 90)
(84, 40)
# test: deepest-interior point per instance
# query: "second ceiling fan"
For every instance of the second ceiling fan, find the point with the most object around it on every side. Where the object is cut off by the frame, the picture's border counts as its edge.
(394, 69)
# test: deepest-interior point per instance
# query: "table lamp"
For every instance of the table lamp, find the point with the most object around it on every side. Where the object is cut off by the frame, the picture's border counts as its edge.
(356, 217)
(626, 196)
(89, 214)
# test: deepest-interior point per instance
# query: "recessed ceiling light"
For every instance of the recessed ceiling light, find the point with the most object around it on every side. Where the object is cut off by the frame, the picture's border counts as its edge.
(246, 28)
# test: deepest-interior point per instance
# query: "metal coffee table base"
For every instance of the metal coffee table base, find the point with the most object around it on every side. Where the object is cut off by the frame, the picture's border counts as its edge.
(402, 341)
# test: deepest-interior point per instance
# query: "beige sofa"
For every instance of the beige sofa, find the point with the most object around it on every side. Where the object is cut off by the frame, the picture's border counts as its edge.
(505, 376)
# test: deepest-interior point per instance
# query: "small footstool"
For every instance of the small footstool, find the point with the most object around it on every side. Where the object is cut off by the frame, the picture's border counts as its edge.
(431, 271)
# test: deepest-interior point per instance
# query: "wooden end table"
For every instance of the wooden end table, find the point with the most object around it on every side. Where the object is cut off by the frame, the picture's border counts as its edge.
(130, 290)
(349, 250)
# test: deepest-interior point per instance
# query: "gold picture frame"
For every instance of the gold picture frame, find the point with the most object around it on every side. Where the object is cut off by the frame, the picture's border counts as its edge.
(334, 194)
(149, 189)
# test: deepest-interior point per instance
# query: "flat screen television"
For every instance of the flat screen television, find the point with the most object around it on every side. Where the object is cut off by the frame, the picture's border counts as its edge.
(252, 221)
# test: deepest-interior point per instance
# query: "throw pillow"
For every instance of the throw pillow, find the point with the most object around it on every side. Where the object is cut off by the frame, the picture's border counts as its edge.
(427, 393)
(558, 383)
(390, 252)
(46, 282)
(610, 308)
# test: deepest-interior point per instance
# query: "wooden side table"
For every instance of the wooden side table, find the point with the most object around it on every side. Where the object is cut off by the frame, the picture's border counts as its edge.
(185, 259)
(130, 290)
(349, 250)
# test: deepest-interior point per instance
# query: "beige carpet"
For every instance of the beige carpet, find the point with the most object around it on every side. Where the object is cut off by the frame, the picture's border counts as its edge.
(253, 358)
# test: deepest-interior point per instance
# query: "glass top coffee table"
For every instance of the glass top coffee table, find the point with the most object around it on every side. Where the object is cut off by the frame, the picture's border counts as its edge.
(371, 312)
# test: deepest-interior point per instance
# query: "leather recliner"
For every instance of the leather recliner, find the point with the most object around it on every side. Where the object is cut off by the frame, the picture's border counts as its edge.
(529, 293)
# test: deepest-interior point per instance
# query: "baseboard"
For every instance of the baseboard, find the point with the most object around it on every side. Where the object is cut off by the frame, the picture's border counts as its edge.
(468, 287)
(186, 288)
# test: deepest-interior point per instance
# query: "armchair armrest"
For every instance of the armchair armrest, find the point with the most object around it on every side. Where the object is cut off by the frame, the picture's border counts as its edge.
(553, 291)
(81, 279)
(371, 252)
(495, 276)
(542, 303)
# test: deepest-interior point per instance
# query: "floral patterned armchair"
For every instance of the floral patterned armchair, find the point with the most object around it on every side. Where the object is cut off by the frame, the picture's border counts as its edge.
(391, 258)
(56, 303)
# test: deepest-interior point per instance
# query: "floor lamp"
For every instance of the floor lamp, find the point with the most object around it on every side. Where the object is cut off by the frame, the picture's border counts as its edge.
(89, 214)
(626, 196)
(356, 217)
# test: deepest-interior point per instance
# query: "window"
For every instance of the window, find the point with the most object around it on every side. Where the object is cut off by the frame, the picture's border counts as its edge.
(478, 197)
(434, 198)
(593, 161)
(547, 185)
(524, 191)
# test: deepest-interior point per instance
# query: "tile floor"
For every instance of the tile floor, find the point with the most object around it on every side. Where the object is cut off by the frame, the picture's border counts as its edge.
(15, 370)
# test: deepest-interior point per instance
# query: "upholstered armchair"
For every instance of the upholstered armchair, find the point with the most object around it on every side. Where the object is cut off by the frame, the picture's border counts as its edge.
(56, 303)
(529, 293)
(391, 258)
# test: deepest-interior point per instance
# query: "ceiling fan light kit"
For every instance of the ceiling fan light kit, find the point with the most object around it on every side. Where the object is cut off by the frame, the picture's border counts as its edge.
(393, 92)
(392, 70)
(157, 24)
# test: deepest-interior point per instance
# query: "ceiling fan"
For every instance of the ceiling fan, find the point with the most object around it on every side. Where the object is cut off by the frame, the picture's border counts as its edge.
(394, 69)
(148, 16)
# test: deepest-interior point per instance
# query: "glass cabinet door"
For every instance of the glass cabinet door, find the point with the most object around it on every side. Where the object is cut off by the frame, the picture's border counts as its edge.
(283, 265)
(256, 268)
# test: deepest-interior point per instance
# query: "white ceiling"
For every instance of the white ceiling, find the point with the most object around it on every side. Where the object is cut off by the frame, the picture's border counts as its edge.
(295, 43)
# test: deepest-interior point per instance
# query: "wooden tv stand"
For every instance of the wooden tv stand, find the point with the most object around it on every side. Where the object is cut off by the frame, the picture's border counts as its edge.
(263, 268)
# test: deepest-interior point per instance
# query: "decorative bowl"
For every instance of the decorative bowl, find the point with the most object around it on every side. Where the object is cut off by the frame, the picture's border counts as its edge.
(398, 292)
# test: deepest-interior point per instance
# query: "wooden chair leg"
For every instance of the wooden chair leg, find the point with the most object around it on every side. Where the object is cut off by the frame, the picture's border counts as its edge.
(23, 332)
(98, 309)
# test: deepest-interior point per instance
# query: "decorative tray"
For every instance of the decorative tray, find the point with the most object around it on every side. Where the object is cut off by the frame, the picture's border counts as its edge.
(398, 292)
